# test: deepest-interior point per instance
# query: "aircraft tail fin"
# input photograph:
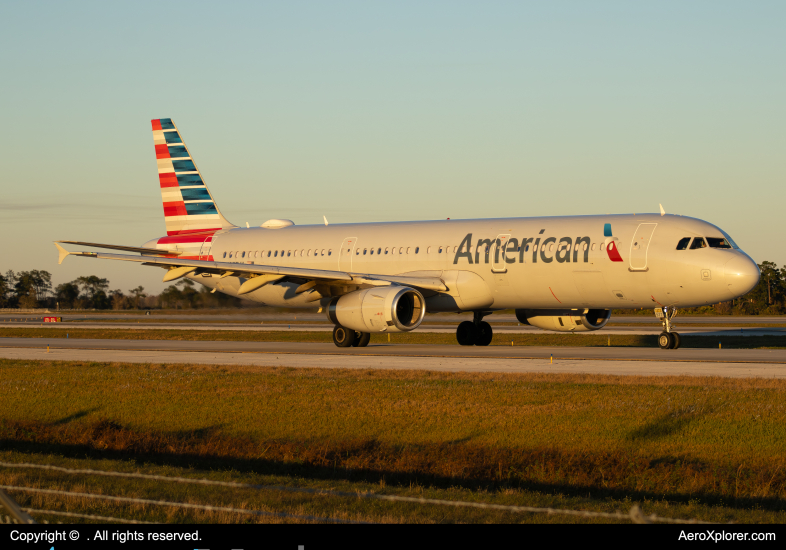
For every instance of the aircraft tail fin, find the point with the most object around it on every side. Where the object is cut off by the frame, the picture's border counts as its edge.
(188, 205)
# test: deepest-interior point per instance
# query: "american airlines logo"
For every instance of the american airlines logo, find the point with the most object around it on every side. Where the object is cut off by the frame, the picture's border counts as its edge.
(563, 250)
(610, 244)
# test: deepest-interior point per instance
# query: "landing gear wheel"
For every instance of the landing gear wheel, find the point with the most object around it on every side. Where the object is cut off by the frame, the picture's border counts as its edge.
(676, 337)
(343, 337)
(485, 334)
(666, 340)
(466, 333)
(361, 339)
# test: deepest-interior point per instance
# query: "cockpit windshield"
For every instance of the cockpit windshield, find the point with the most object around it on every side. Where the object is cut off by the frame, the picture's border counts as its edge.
(715, 242)
(729, 239)
(698, 242)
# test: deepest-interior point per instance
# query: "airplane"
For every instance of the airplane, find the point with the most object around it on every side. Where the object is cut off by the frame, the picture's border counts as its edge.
(563, 273)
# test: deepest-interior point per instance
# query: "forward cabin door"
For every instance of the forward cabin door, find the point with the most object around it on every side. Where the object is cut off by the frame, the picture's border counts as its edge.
(640, 245)
(346, 252)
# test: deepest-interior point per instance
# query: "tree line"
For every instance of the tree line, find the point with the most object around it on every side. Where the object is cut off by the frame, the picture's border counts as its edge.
(33, 289)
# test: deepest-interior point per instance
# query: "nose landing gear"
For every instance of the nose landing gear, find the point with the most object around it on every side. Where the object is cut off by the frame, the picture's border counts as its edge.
(476, 332)
(667, 339)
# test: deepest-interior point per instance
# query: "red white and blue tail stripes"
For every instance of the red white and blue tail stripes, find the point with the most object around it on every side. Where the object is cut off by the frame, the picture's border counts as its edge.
(188, 205)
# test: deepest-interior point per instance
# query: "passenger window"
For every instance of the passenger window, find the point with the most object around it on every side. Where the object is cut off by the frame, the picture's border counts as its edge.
(330, 252)
(386, 251)
(365, 251)
(714, 242)
(683, 244)
(230, 254)
(428, 250)
(698, 242)
(225, 254)
(409, 249)
(276, 254)
(357, 252)
(401, 250)
(379, 251)
(417, 249)
(371, 252)
(268, 253)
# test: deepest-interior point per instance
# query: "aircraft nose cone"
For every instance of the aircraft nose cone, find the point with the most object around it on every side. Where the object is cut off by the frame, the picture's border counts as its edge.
(742, 274)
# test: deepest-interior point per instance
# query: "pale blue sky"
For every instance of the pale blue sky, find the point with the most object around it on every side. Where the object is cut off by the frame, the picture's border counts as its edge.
(365, 111)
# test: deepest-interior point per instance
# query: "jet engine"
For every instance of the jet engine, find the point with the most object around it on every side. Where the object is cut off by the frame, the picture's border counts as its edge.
(380, 309)
(565, 320)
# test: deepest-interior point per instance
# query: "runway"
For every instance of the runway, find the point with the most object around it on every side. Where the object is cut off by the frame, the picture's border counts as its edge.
(616, 361)
(431, 327)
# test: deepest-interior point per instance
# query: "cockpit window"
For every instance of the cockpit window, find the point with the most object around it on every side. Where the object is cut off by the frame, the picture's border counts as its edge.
(698, 242)
(729, 239)
(715, 242)
(683, 244)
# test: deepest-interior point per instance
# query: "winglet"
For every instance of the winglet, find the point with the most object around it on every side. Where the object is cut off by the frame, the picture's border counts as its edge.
(325, 218)
(662, 211)
(62, 252)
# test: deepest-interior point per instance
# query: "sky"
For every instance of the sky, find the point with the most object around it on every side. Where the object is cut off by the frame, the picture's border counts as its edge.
(374, 111)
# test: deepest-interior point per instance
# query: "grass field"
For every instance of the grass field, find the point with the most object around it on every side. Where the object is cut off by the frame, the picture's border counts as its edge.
(538, 339)
(705, 448)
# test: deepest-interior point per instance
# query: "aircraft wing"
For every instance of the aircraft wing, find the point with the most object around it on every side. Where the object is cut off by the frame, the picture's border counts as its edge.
(264, 273)
(139, 249)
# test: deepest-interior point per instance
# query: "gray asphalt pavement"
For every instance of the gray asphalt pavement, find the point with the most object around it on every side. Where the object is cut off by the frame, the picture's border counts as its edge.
(613, 361)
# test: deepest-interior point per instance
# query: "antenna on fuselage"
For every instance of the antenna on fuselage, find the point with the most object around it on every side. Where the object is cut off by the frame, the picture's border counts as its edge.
(662, 211)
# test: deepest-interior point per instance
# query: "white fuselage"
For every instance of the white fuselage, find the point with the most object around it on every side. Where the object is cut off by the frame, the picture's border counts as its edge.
(533, 263)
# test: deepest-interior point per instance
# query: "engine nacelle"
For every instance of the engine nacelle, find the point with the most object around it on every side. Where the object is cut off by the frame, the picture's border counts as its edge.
(565, 320)
(380, 309)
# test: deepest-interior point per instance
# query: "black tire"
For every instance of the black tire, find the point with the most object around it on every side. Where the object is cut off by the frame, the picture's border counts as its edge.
(466, 333)
(665, 340)
(485, 334)
(361, 339)
(676, 337)
(343, 337)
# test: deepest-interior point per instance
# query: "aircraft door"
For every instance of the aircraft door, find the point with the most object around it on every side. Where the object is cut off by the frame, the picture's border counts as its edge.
(204, 252)
(499, 247)
(345, 254)
(640, 246)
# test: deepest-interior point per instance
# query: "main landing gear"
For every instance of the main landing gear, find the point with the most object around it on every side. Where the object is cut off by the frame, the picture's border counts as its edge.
(345, 338)
(474, 333)
(667, 338)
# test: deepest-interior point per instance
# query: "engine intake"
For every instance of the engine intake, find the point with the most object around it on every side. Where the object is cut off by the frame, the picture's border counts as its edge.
(565, 320)
(381, 309)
